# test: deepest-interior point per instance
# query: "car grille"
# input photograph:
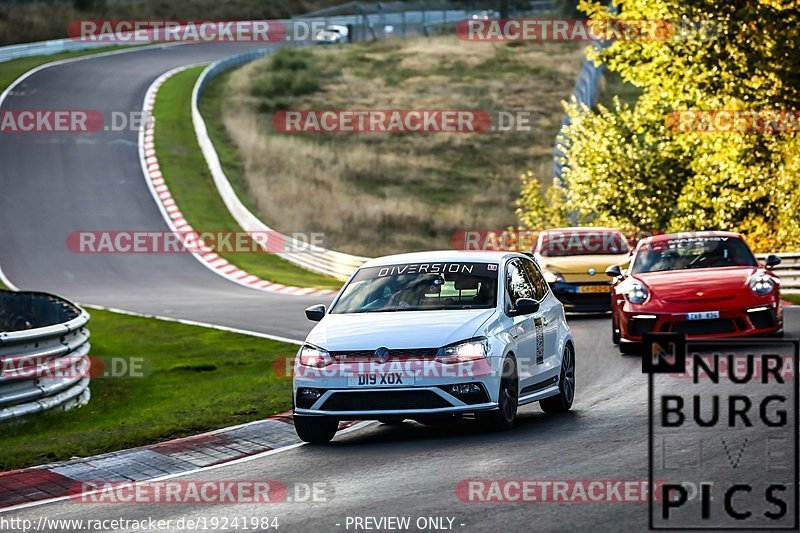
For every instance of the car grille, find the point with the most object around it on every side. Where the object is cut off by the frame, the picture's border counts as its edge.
(384, 401)
(590, 301)
(366, 356)
(705, 327)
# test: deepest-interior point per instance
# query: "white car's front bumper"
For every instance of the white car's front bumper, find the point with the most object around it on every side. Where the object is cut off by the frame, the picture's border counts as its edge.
(429, 395)
(456, 405)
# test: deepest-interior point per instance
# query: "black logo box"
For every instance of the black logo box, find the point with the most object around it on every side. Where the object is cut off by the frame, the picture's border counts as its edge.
(673, 360)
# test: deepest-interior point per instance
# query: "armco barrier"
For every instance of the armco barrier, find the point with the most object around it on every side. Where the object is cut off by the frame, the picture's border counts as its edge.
(42, 48)
(584, 93)
(327, 262)
(46, 333)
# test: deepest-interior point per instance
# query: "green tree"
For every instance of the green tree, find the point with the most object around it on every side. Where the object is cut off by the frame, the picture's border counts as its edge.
(628, 166)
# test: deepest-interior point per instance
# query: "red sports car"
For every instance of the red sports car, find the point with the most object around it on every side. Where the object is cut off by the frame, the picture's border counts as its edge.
(704, 284)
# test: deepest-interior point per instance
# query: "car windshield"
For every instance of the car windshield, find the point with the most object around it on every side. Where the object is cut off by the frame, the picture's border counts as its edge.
(695, 252)
(566, 243)
(420, 287)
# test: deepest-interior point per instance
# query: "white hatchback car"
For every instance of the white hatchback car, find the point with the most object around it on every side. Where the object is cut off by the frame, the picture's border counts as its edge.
(434, 336)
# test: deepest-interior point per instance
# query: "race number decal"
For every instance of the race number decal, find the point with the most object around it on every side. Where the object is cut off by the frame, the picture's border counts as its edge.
(539, 325)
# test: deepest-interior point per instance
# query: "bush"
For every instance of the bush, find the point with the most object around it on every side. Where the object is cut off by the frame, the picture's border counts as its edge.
(288, 59)
(288, 73)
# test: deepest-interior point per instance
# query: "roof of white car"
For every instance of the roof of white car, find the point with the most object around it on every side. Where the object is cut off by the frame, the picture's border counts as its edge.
(442, 256)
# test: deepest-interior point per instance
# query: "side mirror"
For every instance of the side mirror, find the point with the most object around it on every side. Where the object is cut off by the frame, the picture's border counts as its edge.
(614, 271)
(773, 261)
(525, 306)
(315, 312)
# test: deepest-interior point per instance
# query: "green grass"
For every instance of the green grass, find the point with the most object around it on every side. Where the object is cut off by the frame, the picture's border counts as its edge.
(616, 86)
(212, 109)
(196, 379)
(794, 298)
(292, 73)
(11, 70)
(193, 188)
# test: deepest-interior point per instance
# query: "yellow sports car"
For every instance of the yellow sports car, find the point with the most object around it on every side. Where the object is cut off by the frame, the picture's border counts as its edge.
(574, 261)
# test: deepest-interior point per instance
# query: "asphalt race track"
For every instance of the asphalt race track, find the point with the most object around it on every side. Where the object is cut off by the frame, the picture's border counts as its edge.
(413, 470)
(59, 183)
(94, 181)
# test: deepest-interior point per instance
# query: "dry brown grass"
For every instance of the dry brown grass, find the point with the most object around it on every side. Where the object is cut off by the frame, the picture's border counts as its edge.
(377, 193)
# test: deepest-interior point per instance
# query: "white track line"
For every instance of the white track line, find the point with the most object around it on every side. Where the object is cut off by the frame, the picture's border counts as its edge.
(6, 281)
(187, 322)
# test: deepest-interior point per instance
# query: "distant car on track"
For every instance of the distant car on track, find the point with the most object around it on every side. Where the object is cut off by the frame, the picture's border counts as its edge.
(704, 284)
(574, 259)
(332, 34)
(434, 336)
(485, 14)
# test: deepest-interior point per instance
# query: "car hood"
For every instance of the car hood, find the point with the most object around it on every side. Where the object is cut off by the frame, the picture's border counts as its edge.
(580, 264)
(399, 329)
(690, 285)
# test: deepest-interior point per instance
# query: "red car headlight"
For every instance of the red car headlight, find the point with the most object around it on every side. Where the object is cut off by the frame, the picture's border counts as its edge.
(762, 284)
(637, 293)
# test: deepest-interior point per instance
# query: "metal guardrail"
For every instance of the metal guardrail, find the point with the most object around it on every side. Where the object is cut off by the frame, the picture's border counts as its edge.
(44, 347)
(17, 51)
(585, 92)
(316, 259)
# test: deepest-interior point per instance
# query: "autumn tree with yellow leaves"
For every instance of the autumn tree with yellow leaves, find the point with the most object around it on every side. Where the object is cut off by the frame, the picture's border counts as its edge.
(634, 166)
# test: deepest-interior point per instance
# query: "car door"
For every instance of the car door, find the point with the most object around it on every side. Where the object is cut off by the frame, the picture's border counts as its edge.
(549, 310)
(528, 330)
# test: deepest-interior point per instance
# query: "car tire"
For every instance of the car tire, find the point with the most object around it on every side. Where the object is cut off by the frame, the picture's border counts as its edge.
(505, 416)
(615, 333)
(315, 429)
(562, 402)
(630, 348)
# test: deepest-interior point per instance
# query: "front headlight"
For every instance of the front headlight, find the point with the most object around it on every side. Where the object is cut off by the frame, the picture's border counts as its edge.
(314, 357)
(470, 350)
(762, 284)
(638, 293)
(552, 277)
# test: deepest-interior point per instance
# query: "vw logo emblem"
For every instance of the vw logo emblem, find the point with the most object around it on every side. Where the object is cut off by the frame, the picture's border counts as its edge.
(381, 354)
(592, 272)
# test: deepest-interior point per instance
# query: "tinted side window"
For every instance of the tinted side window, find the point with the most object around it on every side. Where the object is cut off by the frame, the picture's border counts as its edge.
(517, 282)
(535, 275)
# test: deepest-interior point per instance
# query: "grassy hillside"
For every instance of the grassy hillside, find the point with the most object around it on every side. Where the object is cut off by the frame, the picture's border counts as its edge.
(380, 193)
